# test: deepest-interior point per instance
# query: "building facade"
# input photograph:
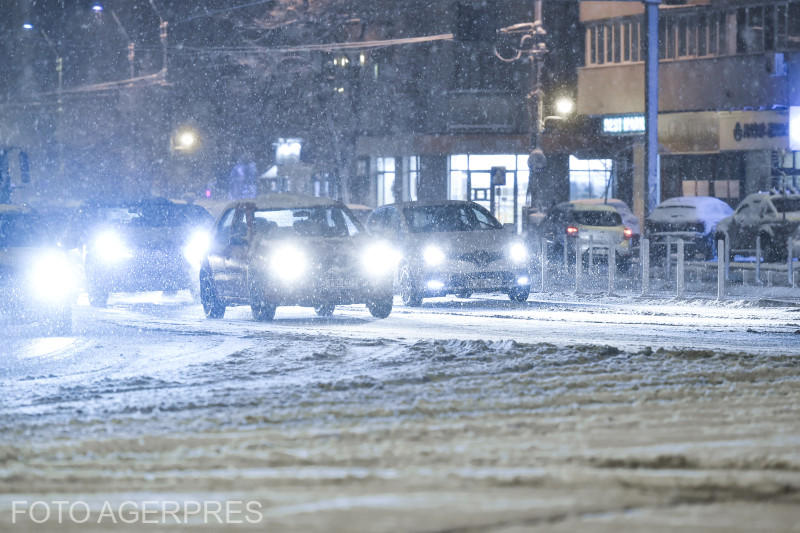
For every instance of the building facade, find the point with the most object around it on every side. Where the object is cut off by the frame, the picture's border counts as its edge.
(729, 70)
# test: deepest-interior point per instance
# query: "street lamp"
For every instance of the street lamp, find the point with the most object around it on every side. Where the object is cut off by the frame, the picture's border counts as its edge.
(185, 140)
(564, 106)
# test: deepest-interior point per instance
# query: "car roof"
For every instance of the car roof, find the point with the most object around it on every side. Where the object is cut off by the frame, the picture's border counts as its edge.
(577, 205)
(616, 203)
(287, 201)
(691, 201)
(428, 203)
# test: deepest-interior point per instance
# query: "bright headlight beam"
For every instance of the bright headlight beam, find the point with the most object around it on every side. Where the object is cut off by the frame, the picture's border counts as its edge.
(380, 259)
(52, 276)
(288, 263)
(197, 247)
(518, 253)
(433, 255)
(110, 248)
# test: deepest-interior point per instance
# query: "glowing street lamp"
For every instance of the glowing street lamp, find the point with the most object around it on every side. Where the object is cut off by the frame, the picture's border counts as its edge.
(564, 105)
(185, 140)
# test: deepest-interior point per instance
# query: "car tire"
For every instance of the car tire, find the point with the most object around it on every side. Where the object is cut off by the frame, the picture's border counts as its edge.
(324, 309)
(381, 307)
(98, 296)
(464, 294)
(409, 289)
(213, 307)
(519, 294)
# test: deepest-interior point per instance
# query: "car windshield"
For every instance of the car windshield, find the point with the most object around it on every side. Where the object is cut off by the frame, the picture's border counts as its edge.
(325, 221)
(597, 218)
(786, 205)
(23, 230)
(449, 217)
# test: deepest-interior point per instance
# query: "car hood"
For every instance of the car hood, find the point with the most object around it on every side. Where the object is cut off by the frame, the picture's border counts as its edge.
(463, 241)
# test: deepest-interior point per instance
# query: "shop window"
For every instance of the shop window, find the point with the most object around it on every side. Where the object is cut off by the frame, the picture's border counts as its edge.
(590, 178)
(385, 175)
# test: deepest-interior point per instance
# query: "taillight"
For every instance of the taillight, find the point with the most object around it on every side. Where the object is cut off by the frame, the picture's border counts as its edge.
(628, 233)
(572, 231)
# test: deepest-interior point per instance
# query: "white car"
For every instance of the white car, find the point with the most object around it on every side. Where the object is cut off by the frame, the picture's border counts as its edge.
(693, 219)
(452, 247)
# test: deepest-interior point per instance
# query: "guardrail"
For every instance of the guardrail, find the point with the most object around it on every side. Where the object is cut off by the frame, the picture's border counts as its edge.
(670, 271)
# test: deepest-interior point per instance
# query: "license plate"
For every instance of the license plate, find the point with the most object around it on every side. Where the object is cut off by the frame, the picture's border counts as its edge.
(484, 283)
(338, 283)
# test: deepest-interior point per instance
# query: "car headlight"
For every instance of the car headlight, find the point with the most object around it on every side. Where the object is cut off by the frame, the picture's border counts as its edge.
(196, 248)
(53, 277)
(518, 253)
(433, 255)
(380, 259)
(288, 263)
(110, 247)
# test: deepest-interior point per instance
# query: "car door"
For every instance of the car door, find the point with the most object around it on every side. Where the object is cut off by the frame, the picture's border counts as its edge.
(226, 249)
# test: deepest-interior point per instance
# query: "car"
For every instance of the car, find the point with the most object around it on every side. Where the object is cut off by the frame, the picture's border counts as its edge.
(452, 247)
(39, 279)
(360, 211)
(285, 249)
(770, 215)
(629, 220)
(692, 219)
(144, 245)
(579, 225)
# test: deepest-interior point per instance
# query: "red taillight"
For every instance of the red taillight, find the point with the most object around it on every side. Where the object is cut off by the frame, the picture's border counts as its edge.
(628, 233)
(572, 231)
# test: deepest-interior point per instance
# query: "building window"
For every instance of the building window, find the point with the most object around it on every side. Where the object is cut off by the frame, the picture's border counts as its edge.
(590, 178)
(385, 174)
(412, 178)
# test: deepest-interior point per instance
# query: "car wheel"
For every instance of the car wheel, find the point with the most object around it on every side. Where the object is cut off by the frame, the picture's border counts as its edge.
(98, 296)
(324, 309)
(464, 294)
(213, 307)
(409, 289)
(381, 307)
(519, 294)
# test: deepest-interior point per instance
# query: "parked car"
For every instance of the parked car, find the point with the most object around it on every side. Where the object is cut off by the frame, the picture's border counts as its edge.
(452, 247)
(629, 220)
(146, 245)
(38, 278)
(771, 216)
(693, 219)
(294, 250)
(580, 226)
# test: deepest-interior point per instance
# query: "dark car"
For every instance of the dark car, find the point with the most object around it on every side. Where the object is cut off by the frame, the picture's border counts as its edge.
(39, 278)
(773, 217)
(146, 245)
(294, 250)
(692, 219)
(452, 247)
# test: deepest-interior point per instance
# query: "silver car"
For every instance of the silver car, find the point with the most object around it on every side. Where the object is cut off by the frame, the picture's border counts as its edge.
(452, 247)
(294, 250)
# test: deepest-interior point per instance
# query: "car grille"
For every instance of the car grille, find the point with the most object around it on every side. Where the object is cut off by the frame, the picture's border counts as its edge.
(481, 258)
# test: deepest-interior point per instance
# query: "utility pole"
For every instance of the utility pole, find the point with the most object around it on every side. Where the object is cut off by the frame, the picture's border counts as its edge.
(532, 37)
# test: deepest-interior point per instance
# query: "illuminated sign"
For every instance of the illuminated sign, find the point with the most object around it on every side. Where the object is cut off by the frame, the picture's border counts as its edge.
(794, 128)
(622, 125)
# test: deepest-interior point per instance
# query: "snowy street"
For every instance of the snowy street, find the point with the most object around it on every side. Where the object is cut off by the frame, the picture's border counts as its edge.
(461, 415)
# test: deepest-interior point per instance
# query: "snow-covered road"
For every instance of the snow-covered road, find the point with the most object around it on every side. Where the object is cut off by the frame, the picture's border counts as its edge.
(459, 416)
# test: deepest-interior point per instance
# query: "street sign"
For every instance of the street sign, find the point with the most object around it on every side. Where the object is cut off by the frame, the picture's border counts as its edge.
(498, 176)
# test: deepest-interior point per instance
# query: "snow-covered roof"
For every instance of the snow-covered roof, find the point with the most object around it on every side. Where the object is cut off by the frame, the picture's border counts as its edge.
(691, 209)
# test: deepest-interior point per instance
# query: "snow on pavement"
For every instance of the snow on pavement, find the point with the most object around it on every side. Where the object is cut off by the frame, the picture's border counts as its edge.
(553, 415)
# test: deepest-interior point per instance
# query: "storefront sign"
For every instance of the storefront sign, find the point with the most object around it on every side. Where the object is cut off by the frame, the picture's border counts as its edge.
(753, 130)
(623, 125)
(794, 128)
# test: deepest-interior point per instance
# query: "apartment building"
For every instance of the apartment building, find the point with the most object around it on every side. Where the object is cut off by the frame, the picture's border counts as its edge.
(729, 70)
